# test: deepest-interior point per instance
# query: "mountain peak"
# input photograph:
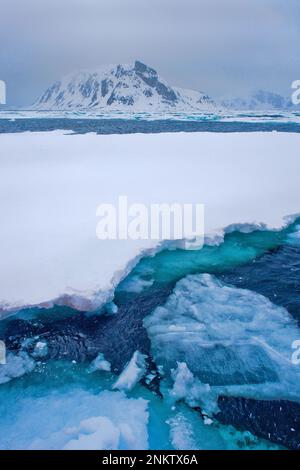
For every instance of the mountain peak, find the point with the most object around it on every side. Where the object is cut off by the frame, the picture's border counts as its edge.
(143, 69)
(132, 87)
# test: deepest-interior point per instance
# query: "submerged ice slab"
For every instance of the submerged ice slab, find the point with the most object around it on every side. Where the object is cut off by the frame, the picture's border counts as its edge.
(218, 339)
(294, 237)
(51, 185)
(189, 431)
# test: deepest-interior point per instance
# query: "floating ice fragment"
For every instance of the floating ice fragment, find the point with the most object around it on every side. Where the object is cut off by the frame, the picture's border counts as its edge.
(40, 349)
(207, 421)
(190, 389)
(132, 373)
(150, 377)
(100, 363)
(16, 366)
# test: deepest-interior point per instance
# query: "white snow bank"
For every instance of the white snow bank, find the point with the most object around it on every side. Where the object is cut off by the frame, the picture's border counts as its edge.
(51, 185)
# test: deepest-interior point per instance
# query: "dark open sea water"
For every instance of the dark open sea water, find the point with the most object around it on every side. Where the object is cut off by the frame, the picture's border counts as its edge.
(131, 126)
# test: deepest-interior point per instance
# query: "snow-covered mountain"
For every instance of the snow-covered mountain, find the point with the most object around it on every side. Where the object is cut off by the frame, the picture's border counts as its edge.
(259, 100)
(133, 87)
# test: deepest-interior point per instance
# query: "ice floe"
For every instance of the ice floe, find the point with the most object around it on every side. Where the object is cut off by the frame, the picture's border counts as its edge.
(132, 373)
(99, 363)
(73, 418)
(51, 185)
(231, 341)
(94, 434)
(16, 366)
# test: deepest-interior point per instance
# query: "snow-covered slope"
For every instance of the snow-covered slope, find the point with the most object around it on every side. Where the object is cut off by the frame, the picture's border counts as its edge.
(259, 100)
(134, 87)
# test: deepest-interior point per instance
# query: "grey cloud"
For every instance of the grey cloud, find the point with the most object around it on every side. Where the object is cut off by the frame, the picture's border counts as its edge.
(214, 45)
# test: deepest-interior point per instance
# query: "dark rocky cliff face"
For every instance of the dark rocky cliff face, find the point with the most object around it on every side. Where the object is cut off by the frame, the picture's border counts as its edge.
(150, 77)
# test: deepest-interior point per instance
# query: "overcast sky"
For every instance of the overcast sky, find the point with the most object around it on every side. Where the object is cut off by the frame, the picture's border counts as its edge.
(221, 47)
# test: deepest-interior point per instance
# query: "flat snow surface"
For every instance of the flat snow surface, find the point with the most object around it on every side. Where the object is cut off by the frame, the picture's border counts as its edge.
(52, 183)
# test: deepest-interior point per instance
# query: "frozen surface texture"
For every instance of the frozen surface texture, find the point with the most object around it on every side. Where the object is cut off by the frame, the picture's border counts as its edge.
(221, 340)
(74, 419)
(51, 185)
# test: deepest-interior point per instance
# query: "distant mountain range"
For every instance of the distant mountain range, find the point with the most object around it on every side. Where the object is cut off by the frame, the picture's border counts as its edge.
(138, 88)
(259, 100)
(134, 87)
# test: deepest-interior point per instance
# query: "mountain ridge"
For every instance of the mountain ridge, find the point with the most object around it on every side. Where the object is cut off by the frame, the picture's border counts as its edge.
(259, 100)
(135, 87)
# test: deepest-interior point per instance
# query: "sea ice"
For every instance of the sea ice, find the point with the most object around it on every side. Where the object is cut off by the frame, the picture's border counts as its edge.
(100, 363)
(16, 366)
(132, 373)
(231, 341)
(97, 433)
(72, 418)
(40, 350)
(51, 185)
